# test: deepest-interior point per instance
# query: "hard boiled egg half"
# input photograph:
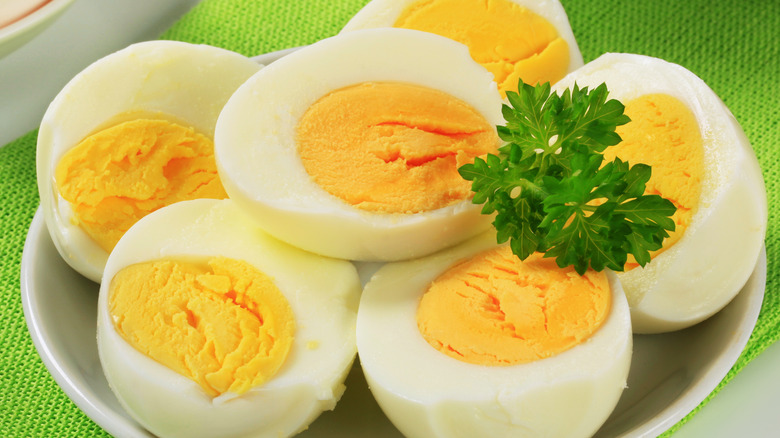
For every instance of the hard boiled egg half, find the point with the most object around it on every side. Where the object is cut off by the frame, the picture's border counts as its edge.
(207, 326)
(701, 161)
(350, 147)
(513, 39)
(473, 342)
(129, 134)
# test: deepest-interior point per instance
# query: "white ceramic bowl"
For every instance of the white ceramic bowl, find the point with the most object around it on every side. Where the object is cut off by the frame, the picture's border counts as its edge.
(670, 373)
(22, 30)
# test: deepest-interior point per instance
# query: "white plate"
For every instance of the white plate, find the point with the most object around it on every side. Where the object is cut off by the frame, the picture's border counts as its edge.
(670, 373)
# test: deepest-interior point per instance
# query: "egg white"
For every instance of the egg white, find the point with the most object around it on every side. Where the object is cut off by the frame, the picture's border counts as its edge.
(709, 265)
(187, 82)
(323, 294)
(257, 155)
(384, 13)
(426, 393)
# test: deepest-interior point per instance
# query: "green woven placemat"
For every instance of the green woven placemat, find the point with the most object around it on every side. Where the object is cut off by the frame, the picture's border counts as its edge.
(732, 45)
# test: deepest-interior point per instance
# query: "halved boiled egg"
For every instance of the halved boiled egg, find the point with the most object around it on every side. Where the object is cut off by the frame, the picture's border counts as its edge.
(513, 39)
(701, 161)
(207, 326)
(473, 342)
(129, 134)
(350, 147)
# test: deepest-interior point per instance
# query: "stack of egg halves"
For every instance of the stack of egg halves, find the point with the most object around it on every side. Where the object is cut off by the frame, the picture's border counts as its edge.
(221, 206)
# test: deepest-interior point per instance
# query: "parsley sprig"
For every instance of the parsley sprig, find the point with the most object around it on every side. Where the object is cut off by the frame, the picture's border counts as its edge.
(553, 193)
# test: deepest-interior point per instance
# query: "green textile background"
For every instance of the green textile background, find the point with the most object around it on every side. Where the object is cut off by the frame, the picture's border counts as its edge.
(733, 45)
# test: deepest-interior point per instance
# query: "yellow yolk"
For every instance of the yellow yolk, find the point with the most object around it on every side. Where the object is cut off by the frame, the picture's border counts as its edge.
(510, 41)
(224, 325)
(118, 175)
(392, 147)
(494, 309)
(664, 134)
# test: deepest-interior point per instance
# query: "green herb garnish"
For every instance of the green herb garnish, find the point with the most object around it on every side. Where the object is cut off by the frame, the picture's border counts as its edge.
(553, 194)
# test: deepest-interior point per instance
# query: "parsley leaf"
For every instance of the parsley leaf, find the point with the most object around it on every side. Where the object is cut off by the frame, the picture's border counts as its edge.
(551, 190)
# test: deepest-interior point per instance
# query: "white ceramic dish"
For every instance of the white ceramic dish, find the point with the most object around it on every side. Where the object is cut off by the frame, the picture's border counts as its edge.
(670, 373)
(17, 33)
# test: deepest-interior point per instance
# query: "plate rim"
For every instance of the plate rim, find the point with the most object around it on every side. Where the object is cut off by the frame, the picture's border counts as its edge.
(107, 419)
(715, 374)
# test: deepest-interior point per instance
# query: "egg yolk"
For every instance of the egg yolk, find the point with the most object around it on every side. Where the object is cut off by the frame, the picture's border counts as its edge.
(494, 309)
(223, 324)
(120, 174)
(392, 147)
(664, 133)
(507, 39)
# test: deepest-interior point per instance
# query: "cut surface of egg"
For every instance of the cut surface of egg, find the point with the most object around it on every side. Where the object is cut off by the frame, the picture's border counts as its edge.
(513, 39)
(131, 133)
(472, 342)
(207, 326)
(702, 162)
(350, 147)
